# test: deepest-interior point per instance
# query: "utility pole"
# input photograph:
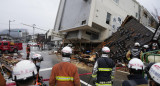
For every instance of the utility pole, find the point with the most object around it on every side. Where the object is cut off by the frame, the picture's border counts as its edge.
(9, 26)
(33, 30)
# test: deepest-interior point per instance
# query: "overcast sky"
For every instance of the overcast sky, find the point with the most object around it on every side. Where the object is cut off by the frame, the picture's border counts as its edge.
(41, 12)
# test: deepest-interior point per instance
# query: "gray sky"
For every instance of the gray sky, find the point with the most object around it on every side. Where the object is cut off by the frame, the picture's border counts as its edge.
(151, 5)
(41, 12)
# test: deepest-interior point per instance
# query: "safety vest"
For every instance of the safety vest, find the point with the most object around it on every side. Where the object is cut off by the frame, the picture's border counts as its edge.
(64, 78)
(105, 66)
(135, 53)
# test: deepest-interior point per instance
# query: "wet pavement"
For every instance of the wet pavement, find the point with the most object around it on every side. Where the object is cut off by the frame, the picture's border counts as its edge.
(51, 59)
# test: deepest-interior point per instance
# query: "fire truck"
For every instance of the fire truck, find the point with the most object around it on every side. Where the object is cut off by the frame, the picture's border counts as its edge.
(10, 47)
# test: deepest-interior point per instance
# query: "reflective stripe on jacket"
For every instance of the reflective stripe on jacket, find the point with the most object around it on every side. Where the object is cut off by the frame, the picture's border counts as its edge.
(64, 74)
(62, 78)
(103, 69)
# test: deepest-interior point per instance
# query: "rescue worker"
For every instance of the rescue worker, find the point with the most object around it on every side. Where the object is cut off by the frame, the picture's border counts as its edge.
(24, 73)
(65, 73)
(37, 58)
(2, 80)
(153, 73)
(135, 78)
(155, 46)
(28, 51)
(145, 49)
(135, 52)
(103, 69)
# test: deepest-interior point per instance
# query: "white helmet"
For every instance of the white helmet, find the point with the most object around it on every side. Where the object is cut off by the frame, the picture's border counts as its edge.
(67, 50)
(37, 57)
(146, 46)
(154, 72)
(23, 70)
(137, 44)
(105, 50)
(136, 64)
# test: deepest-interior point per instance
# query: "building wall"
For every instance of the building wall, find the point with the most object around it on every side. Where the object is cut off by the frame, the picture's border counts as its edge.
(75, 12)
(71, 13)
(117, 10)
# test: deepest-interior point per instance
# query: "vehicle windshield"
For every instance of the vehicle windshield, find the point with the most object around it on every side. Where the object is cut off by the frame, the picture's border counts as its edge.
(5, 43)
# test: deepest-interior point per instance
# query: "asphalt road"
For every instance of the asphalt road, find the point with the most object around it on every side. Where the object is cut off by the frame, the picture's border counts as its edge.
(51, 59)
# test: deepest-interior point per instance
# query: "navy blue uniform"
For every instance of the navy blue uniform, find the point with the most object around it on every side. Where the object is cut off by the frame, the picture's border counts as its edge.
(134, 80)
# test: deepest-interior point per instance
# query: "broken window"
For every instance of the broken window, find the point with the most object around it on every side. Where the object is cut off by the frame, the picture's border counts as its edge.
(145, 14)
(83, 22)
(108, 18)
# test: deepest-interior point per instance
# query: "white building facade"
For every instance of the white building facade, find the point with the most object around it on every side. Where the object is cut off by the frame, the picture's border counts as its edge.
(93, 20)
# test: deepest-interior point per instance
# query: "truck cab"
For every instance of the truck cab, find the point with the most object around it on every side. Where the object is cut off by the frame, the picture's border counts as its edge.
(7, 46)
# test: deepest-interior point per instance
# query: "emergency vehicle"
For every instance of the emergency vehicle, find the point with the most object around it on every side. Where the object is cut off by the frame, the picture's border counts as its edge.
(8, 46)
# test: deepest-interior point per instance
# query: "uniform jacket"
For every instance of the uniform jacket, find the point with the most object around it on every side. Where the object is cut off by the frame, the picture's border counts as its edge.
(2, 80)
(103, 69)
(28, 49)
(134, 53)
(134, 80)
(64, 74)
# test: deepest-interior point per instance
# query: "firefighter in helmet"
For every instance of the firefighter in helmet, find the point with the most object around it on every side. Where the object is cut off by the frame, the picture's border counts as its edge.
(103, 69)
(65, 73)
(135, 78)
(153, 73)
(24, 73)
(37, 58)
(135, 52)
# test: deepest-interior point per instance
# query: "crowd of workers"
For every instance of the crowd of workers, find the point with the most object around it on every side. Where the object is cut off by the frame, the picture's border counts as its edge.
(65, 73)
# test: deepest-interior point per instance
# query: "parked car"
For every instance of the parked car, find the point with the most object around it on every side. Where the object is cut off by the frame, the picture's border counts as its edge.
(50, 45)
(32, 43)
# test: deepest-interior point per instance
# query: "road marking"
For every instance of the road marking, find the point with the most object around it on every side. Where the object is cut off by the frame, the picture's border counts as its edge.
(83, 82)
(45, 69)
(33, 52)
(123, 72)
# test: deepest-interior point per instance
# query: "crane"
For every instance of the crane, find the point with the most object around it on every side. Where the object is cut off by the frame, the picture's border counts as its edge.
(54, 33)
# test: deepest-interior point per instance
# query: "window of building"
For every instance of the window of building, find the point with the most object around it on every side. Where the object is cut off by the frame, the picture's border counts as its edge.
(145, 14)
(83, 22)
(114, 19)
(136, 15)
(119, 20)
(108, 18)
(117, 1)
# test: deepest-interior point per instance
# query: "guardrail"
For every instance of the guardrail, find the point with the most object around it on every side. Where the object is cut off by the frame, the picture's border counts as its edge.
(149, 53)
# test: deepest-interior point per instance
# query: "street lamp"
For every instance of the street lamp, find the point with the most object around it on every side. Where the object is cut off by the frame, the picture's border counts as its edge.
(9, 25)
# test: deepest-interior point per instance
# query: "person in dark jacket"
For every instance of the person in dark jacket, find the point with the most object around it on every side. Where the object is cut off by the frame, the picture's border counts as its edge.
(28, 50)
(134, 52)
(103, 69)
(135, 78)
